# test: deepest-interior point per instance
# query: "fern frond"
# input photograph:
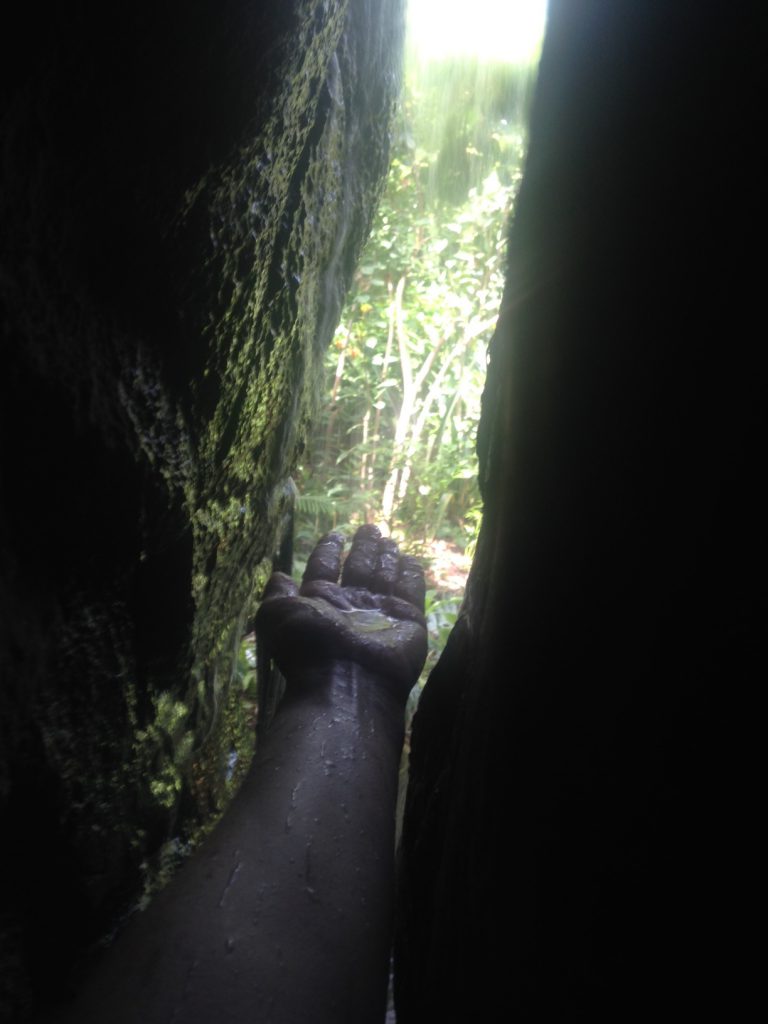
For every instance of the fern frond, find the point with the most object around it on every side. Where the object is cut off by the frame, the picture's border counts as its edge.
(315, 505)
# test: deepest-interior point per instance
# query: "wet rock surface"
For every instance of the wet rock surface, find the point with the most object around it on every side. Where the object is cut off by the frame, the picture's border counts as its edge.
(184, 192)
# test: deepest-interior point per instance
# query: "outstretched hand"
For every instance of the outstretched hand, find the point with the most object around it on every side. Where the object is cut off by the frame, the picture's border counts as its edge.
(374, 617)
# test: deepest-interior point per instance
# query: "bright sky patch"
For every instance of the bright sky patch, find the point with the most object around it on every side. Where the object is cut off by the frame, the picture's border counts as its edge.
(493, 30)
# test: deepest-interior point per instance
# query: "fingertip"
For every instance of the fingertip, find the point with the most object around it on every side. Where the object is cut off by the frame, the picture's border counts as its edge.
(325, 561)
(280, 585)
(410, 585)
(367, 531)
(387, 562)
(278, 593)
(361, 560)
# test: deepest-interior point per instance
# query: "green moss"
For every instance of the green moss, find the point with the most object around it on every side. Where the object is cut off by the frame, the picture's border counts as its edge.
(165, 753)
(282, 248)
(181, 386)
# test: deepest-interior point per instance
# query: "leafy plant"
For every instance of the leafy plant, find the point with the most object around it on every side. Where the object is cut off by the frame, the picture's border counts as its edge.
(441, 613)
(396, 437)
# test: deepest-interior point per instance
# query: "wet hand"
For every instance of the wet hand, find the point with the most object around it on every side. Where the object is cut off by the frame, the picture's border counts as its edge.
(373, 616)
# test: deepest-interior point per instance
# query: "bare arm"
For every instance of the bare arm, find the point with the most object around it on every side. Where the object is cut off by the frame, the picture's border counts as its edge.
(284, 914)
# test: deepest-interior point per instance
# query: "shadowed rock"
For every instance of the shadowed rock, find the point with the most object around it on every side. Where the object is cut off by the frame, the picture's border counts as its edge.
(184, 192)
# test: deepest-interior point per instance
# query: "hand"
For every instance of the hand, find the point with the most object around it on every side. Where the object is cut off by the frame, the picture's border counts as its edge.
(373, 618)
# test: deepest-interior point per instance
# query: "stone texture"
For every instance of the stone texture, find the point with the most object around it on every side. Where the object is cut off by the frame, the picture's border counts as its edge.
(184, 191)
(573, 844)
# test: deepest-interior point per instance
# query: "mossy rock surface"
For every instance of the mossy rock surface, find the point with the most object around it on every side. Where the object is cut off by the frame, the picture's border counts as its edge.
(184, 195)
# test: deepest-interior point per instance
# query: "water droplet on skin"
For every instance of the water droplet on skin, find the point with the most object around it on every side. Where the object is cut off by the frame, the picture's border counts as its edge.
(230, 945)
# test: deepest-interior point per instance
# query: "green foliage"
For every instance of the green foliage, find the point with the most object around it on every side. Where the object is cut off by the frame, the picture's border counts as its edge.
(396, 437)
(441, 614)
(244, 672)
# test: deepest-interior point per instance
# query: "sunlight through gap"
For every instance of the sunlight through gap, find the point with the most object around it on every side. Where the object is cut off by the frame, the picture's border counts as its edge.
(508, 31)
(395, 444)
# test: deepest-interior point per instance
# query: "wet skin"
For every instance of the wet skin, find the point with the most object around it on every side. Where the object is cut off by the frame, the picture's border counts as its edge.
(284, 914)
(372, 618)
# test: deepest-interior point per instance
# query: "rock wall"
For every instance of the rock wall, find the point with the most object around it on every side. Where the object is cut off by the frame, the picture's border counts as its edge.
(184, 190)
(574, 843)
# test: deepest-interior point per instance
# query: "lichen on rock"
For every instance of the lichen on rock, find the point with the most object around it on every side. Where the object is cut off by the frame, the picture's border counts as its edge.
(184, 196)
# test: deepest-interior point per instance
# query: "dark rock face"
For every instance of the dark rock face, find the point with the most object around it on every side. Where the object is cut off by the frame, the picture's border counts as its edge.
(185, 189)
(571, 837)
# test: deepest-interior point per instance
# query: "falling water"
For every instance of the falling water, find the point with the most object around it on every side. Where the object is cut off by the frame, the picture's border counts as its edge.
(469, 74)
(470, 69)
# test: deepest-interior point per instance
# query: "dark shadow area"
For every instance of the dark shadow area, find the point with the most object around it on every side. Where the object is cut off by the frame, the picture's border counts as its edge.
(572, 829)
(184, 194)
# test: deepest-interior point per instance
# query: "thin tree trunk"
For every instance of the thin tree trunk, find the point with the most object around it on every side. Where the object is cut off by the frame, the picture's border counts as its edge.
(406, 406)
(384, 365)
(472, 331)
(334, 406)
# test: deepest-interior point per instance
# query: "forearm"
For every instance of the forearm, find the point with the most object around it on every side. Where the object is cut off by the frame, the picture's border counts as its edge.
(285, 912)
(326, 787)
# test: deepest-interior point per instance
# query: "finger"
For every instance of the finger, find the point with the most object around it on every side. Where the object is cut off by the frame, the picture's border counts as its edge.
(330, 592)
(280, 595)
(325, 561)
(362, 597)
(397, 608)
(279, 585)
(385, 573)
(361, 560)
(295, 629)
(410, 585)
